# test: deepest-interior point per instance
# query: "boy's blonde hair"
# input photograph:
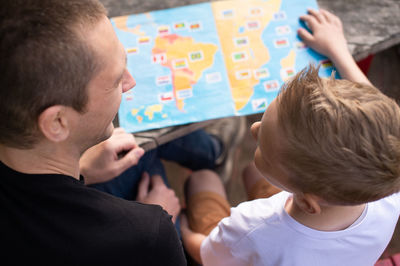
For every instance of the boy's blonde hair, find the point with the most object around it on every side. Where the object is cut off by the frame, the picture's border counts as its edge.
(342, 139)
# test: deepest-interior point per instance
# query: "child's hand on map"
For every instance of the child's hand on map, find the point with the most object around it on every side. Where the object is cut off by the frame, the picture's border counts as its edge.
(327, 38)
(327, 35)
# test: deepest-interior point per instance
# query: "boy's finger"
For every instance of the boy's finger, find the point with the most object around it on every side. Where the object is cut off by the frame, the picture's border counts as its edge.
(319, 17)
(328, 16)
(143, 188)
(305, 35)
(310, 20)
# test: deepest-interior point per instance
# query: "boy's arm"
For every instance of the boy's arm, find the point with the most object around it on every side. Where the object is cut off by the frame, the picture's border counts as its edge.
(327, 38)
(191, 240)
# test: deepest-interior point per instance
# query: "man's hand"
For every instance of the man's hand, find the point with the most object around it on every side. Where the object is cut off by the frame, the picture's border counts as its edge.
(101, 163)
(154, 191)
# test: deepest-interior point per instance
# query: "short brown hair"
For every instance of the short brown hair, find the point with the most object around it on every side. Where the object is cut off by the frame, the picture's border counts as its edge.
(45, 61)
(342, 139)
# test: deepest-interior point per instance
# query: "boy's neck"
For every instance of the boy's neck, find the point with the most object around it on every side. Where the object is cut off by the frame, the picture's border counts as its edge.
(331, 218)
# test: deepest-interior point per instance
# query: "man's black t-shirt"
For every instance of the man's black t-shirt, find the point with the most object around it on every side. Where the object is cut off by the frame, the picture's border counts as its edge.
(49, 219)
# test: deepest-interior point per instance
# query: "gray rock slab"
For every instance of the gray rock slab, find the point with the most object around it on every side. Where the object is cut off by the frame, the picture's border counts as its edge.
(370, 26)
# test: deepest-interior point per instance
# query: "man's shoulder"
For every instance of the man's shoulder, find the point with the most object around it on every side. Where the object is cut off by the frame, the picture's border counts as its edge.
(138, 213)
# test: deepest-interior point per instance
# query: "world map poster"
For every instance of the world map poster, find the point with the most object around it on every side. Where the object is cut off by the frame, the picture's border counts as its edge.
(211, 60)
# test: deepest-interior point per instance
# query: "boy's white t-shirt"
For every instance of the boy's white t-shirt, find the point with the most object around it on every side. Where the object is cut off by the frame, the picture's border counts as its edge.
(260, 232)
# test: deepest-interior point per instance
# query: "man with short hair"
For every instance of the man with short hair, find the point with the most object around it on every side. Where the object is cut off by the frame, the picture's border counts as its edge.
(63, 73)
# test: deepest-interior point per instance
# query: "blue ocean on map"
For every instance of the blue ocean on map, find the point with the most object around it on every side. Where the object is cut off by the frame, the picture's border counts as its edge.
(292, 11)
(151, 104)
(216, 103)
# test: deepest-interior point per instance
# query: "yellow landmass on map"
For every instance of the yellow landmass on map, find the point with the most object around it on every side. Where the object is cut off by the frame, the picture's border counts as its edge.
(121, 23)
(287, 65)
(135, 111)
(256, 52)
(150, 110)
(179, 48)
(289, 60)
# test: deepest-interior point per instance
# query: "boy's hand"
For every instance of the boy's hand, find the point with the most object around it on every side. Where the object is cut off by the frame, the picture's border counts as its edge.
(102, 162)
(154, 191)
(327, 35)
(191, 240)
(328, 39)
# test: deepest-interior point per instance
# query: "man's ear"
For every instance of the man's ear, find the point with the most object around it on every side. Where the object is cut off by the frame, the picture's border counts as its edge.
(53, 123)
(309, 203)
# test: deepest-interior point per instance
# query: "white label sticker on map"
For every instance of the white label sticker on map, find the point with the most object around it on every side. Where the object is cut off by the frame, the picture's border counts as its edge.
(159, 58)
(196, 56)
(180, 25)
(283, 30)
(163, 80)
(326, 63)
(287, 73)
(214, 77)
(300, 46)
(241, 41)
(261, 73)
(195, 26)
(281, 43)
(256, 11)
(253, 25)
(281, 15)
(132, 50)
(164, 30)
(271, 85)
(243, 74)
(144, 40)
(259, 104)
(166, 96)
(239, 56)
(227, 14)
(185, 93)
(179, 63)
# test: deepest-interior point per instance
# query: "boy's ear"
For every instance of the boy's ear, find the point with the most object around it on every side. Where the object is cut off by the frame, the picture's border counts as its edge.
(53, 123)
(310, 203)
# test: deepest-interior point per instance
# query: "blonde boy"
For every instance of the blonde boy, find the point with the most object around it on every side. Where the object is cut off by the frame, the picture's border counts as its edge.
(333, 146)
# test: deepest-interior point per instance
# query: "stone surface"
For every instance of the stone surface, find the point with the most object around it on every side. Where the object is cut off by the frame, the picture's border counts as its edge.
(370, 26)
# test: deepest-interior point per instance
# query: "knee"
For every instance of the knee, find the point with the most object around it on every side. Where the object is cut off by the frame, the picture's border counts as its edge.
(203, 181)
(204, 176)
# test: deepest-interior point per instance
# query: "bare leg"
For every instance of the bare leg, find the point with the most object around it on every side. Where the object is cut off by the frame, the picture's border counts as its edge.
(251, 178)
(206, 201)
(204, 181)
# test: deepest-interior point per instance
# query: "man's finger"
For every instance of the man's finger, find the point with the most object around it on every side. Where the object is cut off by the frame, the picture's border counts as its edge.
(124, 141)
(156, 180)
(143, 188)
(131, 158)
(119, 130)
